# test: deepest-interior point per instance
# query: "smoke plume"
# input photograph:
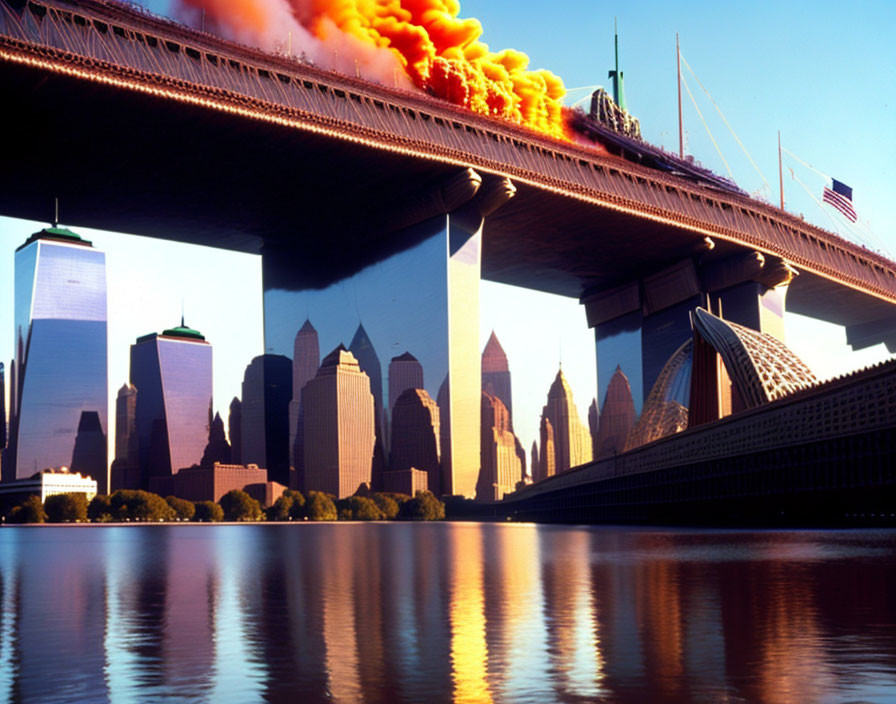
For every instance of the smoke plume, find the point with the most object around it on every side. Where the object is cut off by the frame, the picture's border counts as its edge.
(398, 42)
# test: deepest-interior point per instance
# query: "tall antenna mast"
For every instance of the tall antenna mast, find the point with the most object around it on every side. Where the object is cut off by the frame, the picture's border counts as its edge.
(616, 75)
(56, 213)
(680, 125)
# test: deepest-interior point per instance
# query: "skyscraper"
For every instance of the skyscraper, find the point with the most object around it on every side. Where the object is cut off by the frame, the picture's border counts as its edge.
(572, 441)
(126, 424)
(2, 406)
(338, 427)
(405, 372)
(501, 465)
(369, 362)
(235, 430)
(415, 436)
(267, 392)
(305, 361)
(60, 336)
(2, 420)
(593, 425)
(173, 375)
(617, 417)
(547, 462)
(496, 373)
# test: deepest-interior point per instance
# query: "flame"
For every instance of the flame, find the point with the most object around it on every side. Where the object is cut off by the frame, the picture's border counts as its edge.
(433, 47)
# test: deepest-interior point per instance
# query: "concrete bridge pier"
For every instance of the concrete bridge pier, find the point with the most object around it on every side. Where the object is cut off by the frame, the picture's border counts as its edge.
(385, 279)
(640, 324)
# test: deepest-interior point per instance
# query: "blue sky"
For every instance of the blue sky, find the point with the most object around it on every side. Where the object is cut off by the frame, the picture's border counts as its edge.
(822, 73)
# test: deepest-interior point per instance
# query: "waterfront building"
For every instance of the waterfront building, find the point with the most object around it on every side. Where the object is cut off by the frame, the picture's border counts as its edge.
(45, 483)
(617, 417)
(89, 456)
(173, 375)
(305, 361)
(267, 392)
(405, 372)
(415, 435)
(501, 466)
(60, 342)
(496, 373)
(235, 430)
(338, 427)
(210, 483)
(571, 439)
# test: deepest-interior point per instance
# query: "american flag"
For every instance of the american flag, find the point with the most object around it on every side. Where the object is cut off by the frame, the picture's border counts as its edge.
(840, 196)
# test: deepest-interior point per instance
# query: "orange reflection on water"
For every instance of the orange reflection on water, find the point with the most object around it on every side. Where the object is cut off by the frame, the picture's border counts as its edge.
(469, 650)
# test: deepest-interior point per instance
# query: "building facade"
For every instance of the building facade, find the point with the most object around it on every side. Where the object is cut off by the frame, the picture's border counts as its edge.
(305, 361)
(571, 438)
(496, 373)
(60, 351)
(173, 375)
(338, 427)
(267, 392)
(502, 467)
(416, 436)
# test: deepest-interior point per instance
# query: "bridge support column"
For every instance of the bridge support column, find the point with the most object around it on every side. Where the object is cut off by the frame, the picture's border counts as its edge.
(639, 325)
(406, 280)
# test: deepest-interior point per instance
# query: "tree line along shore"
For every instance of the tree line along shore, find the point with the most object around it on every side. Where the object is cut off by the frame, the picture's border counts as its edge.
(137, 506)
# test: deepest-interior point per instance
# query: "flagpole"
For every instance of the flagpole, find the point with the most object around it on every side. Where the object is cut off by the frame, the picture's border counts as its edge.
(780, 170)
(680, 128)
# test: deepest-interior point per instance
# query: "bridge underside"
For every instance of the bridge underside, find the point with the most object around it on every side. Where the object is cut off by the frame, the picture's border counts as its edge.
(146, 165)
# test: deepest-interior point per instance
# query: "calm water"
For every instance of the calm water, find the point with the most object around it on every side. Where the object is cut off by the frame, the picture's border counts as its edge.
(445, 612)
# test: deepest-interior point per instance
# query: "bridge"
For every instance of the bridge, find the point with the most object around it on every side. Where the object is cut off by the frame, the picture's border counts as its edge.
(141, 125)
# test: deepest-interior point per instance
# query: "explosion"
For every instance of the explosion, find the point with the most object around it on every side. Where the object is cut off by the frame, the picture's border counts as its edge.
(422, 41)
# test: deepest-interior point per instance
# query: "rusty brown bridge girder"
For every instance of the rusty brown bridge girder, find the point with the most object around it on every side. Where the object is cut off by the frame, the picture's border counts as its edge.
(116, 48)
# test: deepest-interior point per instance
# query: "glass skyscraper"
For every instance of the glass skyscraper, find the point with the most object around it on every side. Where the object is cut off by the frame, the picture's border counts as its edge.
(60, 359)
(173, 375)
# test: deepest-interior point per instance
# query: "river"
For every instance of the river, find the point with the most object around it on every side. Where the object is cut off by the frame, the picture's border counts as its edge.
(449, 612)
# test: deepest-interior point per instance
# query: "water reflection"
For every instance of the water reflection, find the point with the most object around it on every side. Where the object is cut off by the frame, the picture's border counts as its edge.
(446, 612)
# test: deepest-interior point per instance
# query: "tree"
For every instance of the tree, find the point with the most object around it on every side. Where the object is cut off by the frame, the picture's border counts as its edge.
(208, 512)
(31, 510)
(183, 509)
(66, 508)
(297, 510)
(320, 507)
(364, 509)
(387, 505)
(423, 507)
(99, 510)
(239, 506)
(140, 505)
(343, 509)
(279, 510)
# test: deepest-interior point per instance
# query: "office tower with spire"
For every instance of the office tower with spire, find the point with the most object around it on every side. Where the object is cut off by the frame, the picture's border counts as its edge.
(305, 361)
(416, 436)
(173, 375)
(593, 425)
(502, 467)
(60, 363)
(496, 373)
(571, 439)
(267, 392)
(339, 434)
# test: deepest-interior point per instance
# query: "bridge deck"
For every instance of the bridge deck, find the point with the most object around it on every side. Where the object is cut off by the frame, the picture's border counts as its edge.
(143, 126)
